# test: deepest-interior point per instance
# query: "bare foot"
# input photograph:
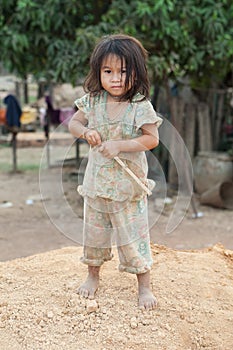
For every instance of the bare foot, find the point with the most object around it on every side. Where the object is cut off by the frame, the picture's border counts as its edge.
(146, 299)
(90, 286)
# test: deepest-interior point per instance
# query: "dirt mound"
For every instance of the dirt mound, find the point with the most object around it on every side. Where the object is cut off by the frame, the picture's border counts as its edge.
(39, 307)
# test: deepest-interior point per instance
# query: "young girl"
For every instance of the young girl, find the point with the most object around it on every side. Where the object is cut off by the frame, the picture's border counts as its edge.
(117, 120)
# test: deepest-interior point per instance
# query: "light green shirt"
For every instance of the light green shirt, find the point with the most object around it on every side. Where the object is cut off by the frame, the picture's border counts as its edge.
(105, 177)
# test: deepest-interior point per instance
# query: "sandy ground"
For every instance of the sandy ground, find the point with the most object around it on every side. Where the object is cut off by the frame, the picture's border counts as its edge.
(39, 307)
(40, 272)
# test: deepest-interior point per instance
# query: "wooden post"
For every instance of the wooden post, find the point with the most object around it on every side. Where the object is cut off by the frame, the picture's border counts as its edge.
(204, 128)
(218, 121)
(14, 149)
(25, 90)
(177, 110)
(190, 128)
(17, 89)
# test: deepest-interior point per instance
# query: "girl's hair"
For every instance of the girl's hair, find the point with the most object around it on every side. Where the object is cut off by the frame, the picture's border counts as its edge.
(128, 49)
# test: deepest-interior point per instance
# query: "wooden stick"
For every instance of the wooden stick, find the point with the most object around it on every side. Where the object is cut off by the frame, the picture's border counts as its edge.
(139, 182)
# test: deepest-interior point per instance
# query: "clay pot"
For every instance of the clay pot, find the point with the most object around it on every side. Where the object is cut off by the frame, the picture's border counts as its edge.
(221, 196)
(211, 168)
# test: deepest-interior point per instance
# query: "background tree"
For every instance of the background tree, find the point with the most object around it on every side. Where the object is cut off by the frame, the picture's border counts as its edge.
(39, 37)
(53, 39)
(191, 38)
(188, 41)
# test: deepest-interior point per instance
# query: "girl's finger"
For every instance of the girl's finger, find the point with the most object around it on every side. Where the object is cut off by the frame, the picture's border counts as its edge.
(101, 148)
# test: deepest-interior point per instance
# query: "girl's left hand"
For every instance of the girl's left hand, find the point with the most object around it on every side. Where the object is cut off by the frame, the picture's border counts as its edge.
(109, 149)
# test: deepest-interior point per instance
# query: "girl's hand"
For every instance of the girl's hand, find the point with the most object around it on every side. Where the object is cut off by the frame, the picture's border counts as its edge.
(109, 149)
(93, 137)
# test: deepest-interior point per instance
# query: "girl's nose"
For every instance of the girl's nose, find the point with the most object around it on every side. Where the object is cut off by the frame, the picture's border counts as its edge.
(116, 77)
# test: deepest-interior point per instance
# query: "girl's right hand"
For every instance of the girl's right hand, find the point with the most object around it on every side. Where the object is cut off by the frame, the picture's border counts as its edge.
(110, 149)
(93, 137)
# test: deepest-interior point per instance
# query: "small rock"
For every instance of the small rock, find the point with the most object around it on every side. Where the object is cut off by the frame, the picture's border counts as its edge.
(42, 323)
(161, 335)
(191, 320)
(133, 325)
(81, 317)
(50, 314)
(91, 306)
(154, 329)
(167, 327)
(145, 322)
(81, 326)
(133, 322)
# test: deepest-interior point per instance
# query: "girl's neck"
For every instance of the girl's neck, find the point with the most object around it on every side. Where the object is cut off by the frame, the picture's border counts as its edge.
(113, 98)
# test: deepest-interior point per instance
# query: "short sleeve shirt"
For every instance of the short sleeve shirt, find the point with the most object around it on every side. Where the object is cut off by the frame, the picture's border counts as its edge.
(116, 121)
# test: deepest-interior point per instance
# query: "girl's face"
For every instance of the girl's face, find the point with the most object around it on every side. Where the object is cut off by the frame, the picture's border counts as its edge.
(113, 75)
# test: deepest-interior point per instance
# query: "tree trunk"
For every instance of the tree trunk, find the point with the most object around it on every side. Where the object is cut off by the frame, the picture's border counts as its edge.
(41, 89)
(17, 90)
(25, 90)
(155, 95)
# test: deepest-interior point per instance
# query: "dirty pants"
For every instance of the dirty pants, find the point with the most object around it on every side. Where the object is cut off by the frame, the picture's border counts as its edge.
(125, 224)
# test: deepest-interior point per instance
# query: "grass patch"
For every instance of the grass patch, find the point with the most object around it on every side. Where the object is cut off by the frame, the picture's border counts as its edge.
(29, 167)
(6, 167)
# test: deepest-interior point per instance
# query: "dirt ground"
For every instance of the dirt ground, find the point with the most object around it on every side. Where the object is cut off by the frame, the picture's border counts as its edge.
(40, 271)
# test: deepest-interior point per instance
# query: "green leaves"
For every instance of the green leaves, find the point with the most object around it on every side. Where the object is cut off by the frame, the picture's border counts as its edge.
(39, 37)
(189, 37)
(54, 38)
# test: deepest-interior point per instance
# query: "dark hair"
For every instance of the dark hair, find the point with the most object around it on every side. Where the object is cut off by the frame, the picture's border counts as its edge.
(126, 48)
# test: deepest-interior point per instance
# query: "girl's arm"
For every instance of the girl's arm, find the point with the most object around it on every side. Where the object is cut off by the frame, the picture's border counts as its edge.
(148, 140)
(77, 127)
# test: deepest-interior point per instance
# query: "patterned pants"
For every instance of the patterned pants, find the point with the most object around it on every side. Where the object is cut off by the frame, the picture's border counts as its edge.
(125, 224)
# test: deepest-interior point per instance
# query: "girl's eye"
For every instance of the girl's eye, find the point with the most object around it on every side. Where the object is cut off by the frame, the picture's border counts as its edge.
(123, 71)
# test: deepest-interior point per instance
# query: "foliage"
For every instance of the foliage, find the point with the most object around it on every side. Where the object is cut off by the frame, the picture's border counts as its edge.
(184, 38)
(54, 38)
(39, 37)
